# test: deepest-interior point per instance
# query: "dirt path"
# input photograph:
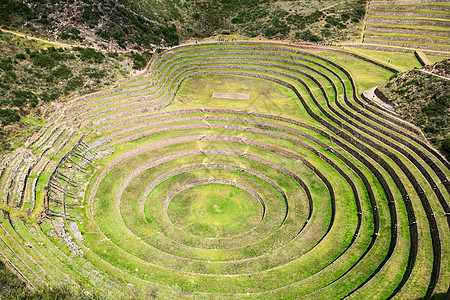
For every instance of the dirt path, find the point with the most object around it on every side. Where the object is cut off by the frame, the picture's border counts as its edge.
(370, 94)
(37, 39)
(68, 45)
(431, 73)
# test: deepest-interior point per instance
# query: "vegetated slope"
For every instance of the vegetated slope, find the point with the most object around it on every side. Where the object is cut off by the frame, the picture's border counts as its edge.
(93, 21)
(33, 76)
(12, 287)
(409, 24)
(149, 23)
(424, 100)
(354, 202)
(312, 21)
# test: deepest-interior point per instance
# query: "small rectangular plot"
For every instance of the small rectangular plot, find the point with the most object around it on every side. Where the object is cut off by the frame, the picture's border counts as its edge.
(230, 96)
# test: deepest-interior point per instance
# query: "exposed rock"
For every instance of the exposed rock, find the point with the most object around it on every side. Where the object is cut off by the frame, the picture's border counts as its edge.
(60, 229)
(75, 231)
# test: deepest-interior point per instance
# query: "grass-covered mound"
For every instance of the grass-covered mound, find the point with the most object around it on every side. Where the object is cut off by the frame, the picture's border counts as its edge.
(153, 188)
(423, 99)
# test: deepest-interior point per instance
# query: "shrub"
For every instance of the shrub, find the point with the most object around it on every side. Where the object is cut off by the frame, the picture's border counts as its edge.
(91, 17)
(10, 76)
(325, 32)
(62, 71)
(297, 20)
(97, 74)
(113, 54)
(21, 56)
(360, 13)
(8, 116)
(277, 28)
(34, 54)
(71, 34)
(445, 147)
(6, 64)
(43, 20)
(24, 99)
(314, 17)
(8, 9)
(74, 83)
(279, 13)
(335, 22)
(50, 96)
(89, 54)
(307, 36)
(139, 62)
(345, 17)
(43, 61)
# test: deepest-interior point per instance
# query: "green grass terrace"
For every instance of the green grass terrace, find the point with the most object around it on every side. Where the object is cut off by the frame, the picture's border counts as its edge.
(306, 190)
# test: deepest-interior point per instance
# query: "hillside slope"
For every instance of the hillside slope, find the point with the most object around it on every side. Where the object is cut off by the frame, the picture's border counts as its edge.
(33, 76)
(146, 24)
(423, 99)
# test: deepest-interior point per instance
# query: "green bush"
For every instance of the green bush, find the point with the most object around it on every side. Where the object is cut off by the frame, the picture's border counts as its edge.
(423, 100)
(314, 17)
(279, 13)
(62, 71)
(445, 147)
(13, 10)
(345, 17)
(89, 54)
(8, 116)
(23, 99)
(48, 96)
(91, 17)
(74, 83)
(10, 76)
(307, 36)
(335, 22)
(277, 28)
(34, 54)
(71, 34)
(21, 56)
(325, 32)
(6, 64)
(43, 61)
(139, 62)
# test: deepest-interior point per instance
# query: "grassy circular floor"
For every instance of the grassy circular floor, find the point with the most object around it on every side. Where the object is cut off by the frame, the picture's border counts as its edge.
(214, 210)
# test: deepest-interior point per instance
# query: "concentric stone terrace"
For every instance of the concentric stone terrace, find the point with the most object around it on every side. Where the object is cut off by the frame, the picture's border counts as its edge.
(306, 190)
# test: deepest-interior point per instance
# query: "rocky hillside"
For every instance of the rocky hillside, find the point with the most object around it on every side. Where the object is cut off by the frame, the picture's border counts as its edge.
(423, 99)
(146, 24)
(108, 23)
(33, 76)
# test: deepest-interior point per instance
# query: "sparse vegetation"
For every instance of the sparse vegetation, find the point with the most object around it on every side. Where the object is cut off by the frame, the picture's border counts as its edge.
(32, 75)
(135, 24)
(424, 100)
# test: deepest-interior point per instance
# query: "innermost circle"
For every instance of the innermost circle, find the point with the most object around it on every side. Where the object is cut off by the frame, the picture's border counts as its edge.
(215, 210)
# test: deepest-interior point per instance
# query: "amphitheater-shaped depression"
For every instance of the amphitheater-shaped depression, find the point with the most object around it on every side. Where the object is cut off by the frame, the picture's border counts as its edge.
(304, 189)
